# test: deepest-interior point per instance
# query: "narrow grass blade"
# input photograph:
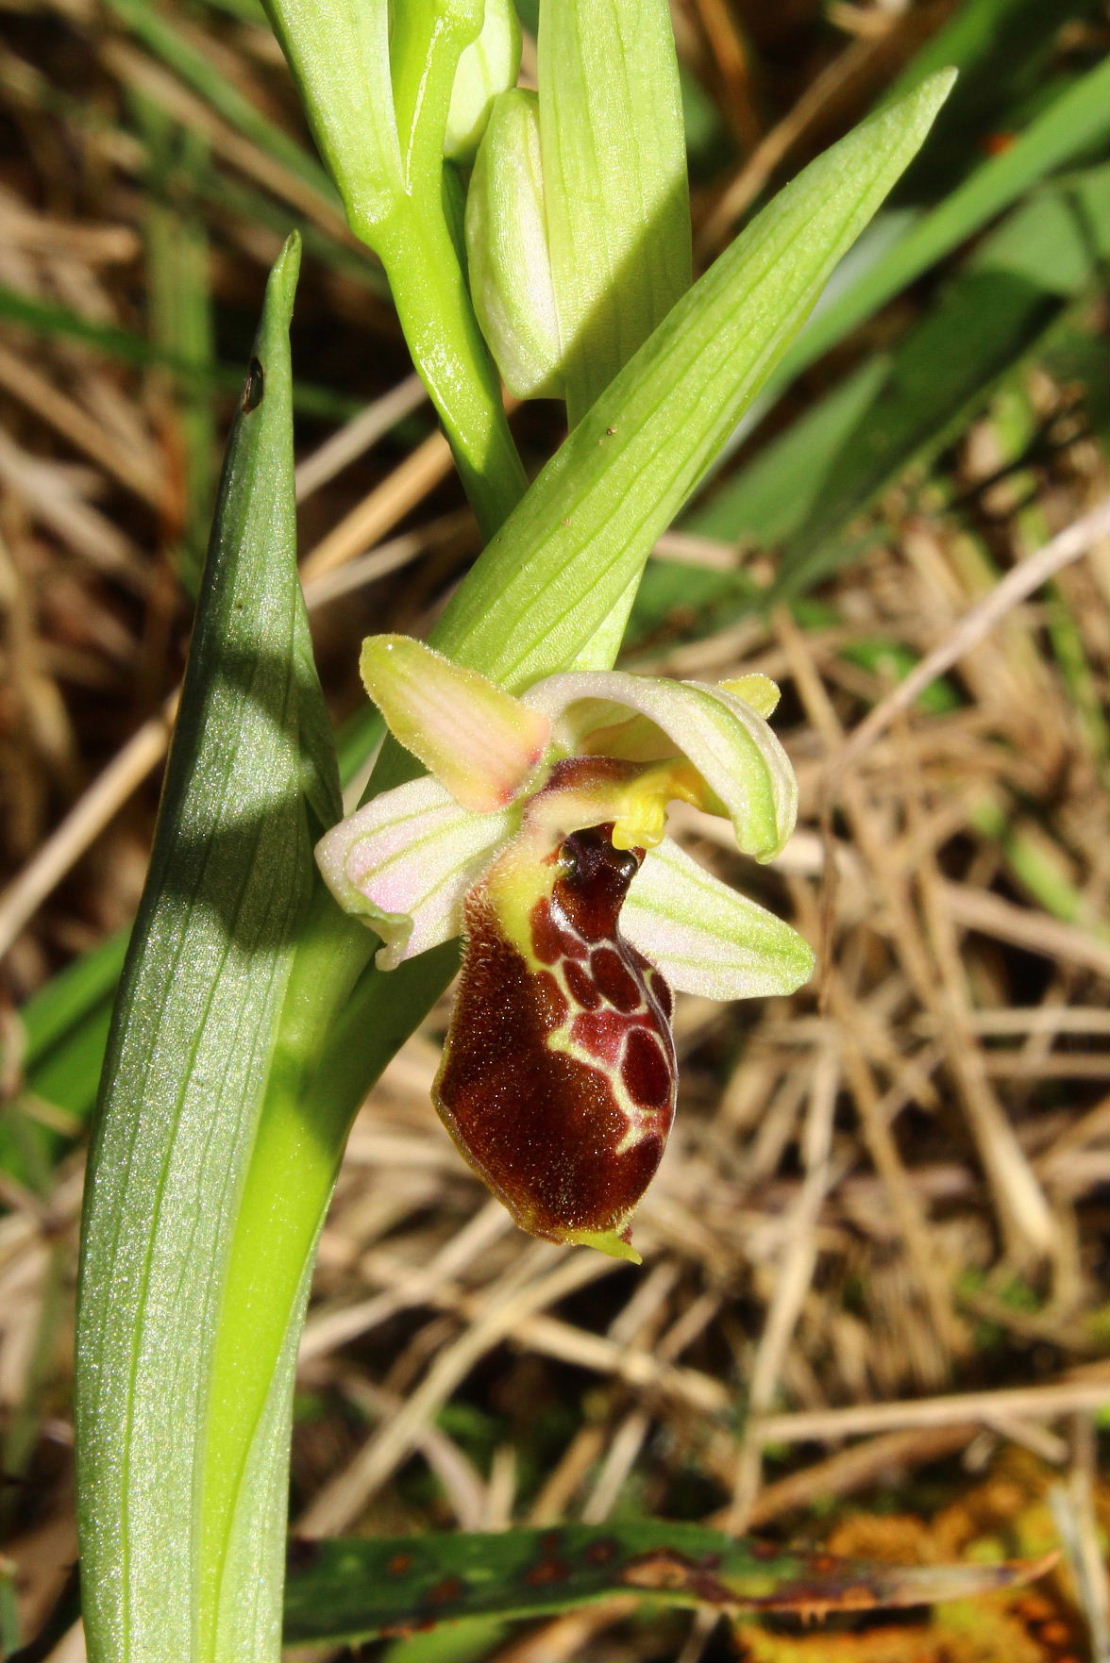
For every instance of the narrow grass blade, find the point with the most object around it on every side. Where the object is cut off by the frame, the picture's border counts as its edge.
(353, 1589)
(130, 348)
(1074, 123)
(1013, 290)
(168, 43)
(190, 1049)
(181, 321)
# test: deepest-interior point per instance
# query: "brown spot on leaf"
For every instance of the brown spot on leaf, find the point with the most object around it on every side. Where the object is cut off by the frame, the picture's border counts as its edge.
(667, 1570)
(545, 1572)
(602, 1552)
(446, 1591)
(254, 387)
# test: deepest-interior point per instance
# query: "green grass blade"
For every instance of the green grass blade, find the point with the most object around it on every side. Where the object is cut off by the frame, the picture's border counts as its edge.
(1014, 289)
(188, 1057)
(173, 48)
(353, 1589)
(802, 489)
(181, 321)
(129, 348)
(1073, 124)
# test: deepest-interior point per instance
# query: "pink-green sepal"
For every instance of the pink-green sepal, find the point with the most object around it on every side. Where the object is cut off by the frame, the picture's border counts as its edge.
(706, 938)
(746, 773)
(481, 743)
(404, 863)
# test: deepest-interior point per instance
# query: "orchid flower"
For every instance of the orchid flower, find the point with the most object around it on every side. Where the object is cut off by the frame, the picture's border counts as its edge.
(538, 835)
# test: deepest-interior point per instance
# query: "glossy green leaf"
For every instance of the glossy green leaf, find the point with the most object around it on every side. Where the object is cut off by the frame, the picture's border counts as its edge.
(614, 170)
(354, 1589)
(247, 785)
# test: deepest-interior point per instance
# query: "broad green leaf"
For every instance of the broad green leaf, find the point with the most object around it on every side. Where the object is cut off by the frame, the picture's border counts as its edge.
(614, 171)
(191, 1045)
(353, 1589)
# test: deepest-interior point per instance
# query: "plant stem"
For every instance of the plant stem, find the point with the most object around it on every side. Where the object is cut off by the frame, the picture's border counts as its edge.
(424, 267)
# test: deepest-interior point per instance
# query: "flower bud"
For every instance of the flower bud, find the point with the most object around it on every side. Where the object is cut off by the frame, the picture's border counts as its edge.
(487, 67)
(506, 246)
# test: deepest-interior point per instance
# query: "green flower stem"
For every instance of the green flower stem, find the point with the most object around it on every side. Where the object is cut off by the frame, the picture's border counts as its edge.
(425, 272)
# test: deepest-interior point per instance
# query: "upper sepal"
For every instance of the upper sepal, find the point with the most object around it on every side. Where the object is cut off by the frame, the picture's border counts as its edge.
(478, 741)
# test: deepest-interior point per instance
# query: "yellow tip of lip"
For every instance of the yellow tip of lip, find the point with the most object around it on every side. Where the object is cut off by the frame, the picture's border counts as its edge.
(605, 1241)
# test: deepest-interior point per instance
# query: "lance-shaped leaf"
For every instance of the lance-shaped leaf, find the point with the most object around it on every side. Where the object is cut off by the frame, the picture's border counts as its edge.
(614, 167)
(554, 586)
(354, 1588)
(250, 778)
(707, 938)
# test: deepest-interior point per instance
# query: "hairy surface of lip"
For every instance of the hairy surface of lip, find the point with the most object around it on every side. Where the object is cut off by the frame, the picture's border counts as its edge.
(558, 1080)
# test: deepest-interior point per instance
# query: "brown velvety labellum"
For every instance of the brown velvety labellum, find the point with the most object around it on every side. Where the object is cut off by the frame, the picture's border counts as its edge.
(558, 1082)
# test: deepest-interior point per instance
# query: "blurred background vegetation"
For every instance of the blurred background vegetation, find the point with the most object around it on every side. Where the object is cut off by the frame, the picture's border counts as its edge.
(874, 1307)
